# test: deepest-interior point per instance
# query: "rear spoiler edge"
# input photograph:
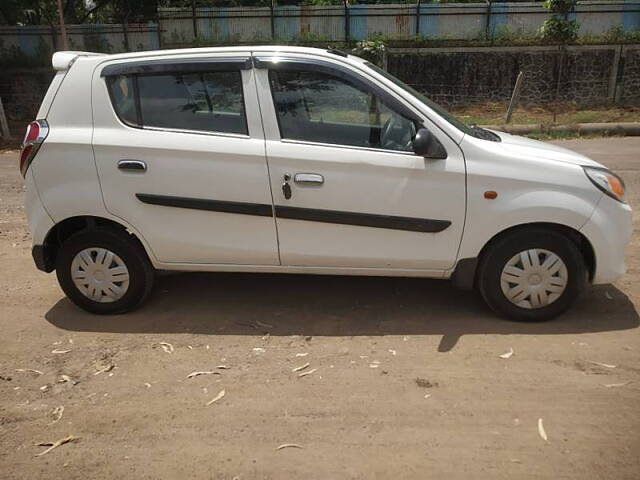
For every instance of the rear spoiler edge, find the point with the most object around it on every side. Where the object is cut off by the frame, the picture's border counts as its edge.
(62, 61)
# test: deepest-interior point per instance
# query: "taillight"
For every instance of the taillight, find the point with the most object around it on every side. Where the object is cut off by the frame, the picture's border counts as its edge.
(36, 133)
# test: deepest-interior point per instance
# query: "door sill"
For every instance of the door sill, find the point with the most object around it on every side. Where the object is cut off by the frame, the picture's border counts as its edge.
(382, 272)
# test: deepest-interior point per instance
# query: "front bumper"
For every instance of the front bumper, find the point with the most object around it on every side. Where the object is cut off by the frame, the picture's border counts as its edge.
(609, 230)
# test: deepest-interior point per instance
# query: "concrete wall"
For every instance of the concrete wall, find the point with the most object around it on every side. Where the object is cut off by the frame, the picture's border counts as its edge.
(35, 44)
(176, 27)
(401, 21)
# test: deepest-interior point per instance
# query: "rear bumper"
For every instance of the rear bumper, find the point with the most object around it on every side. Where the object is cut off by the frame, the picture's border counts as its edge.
(609, 230)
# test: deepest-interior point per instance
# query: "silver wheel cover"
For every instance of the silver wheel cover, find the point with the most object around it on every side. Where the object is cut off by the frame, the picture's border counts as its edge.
(100, 275)
(534, 278)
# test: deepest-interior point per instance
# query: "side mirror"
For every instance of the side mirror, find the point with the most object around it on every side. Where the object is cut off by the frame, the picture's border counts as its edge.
(427, 145)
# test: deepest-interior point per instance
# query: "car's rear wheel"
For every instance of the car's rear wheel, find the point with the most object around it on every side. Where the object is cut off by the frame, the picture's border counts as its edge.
(104, 271)
(531, 274)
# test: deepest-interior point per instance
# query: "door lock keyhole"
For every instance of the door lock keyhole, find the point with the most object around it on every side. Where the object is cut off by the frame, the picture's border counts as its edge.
(286, 188)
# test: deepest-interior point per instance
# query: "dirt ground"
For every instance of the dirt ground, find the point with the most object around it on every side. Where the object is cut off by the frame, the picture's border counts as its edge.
(492, 113)
(409, 382)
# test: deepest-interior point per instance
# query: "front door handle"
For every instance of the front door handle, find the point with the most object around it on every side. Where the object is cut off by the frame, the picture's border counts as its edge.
(132, 165)
(309, 179)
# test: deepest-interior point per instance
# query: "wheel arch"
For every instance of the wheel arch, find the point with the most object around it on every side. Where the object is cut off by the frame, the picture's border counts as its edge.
(48, 251)
(464, 275)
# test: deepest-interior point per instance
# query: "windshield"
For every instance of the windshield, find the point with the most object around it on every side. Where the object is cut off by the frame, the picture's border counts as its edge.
(453, 120)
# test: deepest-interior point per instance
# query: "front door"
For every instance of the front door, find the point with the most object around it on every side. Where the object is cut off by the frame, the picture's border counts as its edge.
(179, 149)
(348, 189)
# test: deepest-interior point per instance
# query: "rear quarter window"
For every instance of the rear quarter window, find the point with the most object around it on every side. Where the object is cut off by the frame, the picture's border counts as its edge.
(122, 97)
(201, 101)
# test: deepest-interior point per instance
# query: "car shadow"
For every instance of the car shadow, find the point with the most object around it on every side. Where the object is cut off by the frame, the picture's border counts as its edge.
(251, 304)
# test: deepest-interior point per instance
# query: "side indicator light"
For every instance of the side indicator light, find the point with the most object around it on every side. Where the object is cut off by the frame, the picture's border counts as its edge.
(490, 194)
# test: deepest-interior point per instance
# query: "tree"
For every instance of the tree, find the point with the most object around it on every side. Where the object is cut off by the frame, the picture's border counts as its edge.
(559, 28)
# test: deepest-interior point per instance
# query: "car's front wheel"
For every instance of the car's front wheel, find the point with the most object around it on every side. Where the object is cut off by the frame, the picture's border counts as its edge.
(104, 271)
(531, 274)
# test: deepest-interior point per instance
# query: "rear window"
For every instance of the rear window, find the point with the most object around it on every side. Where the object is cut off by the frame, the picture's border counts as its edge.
(201, 101)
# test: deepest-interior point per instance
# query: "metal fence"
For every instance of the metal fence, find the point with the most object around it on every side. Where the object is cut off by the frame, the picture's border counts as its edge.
(344, 23)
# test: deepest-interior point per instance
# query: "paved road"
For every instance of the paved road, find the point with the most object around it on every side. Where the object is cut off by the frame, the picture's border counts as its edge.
(409, 382)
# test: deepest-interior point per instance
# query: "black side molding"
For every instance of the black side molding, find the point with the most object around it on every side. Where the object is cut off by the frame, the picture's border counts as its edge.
(258, 209)
(410, 224)
(362, 219)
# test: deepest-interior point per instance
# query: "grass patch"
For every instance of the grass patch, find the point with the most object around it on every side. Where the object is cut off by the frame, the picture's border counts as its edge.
(569, 135)
(549, 114)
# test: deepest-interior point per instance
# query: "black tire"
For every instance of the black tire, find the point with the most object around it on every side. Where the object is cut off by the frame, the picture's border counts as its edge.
(504, 248)
(141, 272)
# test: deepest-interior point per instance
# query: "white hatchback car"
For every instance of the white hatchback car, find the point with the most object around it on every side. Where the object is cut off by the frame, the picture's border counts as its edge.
(301, 160)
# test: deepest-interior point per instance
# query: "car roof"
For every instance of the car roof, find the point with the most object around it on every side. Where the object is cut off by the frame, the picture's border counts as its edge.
(64, 59)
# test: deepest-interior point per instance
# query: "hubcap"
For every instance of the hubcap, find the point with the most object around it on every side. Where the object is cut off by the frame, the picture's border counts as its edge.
(534, 278)
(100, 275)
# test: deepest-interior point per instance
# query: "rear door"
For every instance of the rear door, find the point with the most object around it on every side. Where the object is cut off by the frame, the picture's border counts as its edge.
(348, 189)
(179, 148)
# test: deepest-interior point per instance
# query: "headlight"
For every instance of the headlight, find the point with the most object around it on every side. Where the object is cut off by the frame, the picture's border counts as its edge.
(607, 181)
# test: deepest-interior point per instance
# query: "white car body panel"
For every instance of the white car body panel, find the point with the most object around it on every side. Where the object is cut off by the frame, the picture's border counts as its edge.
(530, 188)
(370, 181)
(37, 217)
(64, 170)
(223, 167)
(75, 174)
(609, 230)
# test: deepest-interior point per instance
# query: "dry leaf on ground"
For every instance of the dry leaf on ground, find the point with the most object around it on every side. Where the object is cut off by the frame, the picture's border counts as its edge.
(509, 354)
(301, 367)
(614, 385)
(205, 372)
(289, 445)
(55, 444)
(216, 398)
(32, 370)
(108, 368)
(541, 431)
(605, 365)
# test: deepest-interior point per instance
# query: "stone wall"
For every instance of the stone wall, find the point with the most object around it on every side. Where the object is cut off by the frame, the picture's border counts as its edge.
(586, 75)
(22, 91)
(628, 90)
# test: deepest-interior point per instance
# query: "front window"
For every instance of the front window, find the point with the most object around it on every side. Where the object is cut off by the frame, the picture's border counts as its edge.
(324, 108)
(452, 119)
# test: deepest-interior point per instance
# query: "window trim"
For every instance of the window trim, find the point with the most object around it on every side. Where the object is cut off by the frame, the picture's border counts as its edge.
(139, 118)
(183, 65)
(349, 147)
(197, 132)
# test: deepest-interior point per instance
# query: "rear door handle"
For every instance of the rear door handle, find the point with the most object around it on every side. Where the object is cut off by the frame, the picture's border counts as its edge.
(309, 179)
(132, 165)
